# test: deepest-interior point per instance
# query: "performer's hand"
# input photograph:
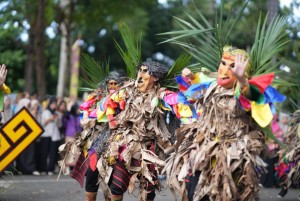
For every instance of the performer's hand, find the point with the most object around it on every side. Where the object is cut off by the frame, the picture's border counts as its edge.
(3, 72)
(239, 70)
(240, 67)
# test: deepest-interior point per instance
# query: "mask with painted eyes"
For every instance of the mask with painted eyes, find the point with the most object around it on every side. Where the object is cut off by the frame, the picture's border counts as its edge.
(226, 78)
(112, 85)
(144, 80)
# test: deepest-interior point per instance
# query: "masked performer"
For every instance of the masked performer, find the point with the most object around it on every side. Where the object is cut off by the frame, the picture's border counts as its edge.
(91, 143)
(140, 136)
(288, 170)
(104, 113)
(222, 150)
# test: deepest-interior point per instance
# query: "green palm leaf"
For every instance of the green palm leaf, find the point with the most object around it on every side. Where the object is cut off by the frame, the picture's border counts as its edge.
(269, 134)
(269, 41)
(132, 52)
(288, 83)
(181, 62)
(94, 71)
(200, 39)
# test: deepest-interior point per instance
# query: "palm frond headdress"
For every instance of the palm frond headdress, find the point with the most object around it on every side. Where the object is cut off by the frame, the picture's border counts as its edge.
(95, 73)
(205, 42)
(131, 55)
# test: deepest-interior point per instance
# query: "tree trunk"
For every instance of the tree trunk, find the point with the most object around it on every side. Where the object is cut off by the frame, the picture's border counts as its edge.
(66, 8)
(62, 61)
(273, 7)
(30, 63)
(40, 47)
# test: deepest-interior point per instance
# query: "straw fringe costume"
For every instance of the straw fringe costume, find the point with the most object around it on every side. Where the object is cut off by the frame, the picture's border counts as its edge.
(134, 139)
(138, 143)
(288, 170)
(92, 142)
(86, 149)
(224, 145)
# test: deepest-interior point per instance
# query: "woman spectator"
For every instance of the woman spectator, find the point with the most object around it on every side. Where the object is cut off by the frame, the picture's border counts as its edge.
(50, 139)
(35, 110)
(26, 161)
(15, 103)
(8, 112)
(6, 115)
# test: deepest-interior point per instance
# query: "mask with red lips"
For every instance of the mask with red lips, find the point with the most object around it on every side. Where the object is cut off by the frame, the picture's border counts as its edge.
(226, 78)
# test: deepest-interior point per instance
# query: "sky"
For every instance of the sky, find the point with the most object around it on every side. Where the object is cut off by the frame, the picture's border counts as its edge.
(287, 3)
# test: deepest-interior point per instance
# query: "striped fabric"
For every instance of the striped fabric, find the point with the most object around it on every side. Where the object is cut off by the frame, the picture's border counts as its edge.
(79, 170)
(120, 179)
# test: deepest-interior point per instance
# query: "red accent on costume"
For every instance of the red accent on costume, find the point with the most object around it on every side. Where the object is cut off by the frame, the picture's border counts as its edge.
(112, 122)
(262, 82)
(86, 105)
(93, 161)
(182, 88)
(122, 104)
(245, 102)
(110, 103)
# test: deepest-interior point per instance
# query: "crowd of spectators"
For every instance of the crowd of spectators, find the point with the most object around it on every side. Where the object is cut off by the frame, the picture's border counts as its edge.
(60, 119)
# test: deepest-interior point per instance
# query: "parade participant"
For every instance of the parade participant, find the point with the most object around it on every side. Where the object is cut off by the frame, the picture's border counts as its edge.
(88, 145)
(103, 114)
(222, 149)
(3, 88)
(288, 170)
(139, 135)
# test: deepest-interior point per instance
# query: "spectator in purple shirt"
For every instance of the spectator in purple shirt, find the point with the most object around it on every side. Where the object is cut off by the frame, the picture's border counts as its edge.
(71, 122)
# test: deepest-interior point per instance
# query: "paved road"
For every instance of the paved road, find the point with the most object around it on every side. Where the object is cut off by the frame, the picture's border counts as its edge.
(47, 188)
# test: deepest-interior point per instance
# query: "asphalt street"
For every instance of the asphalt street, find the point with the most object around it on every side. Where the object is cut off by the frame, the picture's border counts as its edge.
(47, 188)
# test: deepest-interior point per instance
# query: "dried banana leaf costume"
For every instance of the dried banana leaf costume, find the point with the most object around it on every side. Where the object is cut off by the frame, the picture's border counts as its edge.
(140, 137)
(288, 169)
(225, 144)
(92, 142)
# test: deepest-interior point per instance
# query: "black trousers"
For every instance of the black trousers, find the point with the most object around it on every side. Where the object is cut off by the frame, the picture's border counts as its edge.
(26, 162)
(269, 180)
(120, 180)
(48, 154)
(191, 183)
(91, 180)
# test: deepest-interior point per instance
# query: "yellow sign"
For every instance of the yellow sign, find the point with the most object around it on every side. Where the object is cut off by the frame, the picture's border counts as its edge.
(17, 134)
